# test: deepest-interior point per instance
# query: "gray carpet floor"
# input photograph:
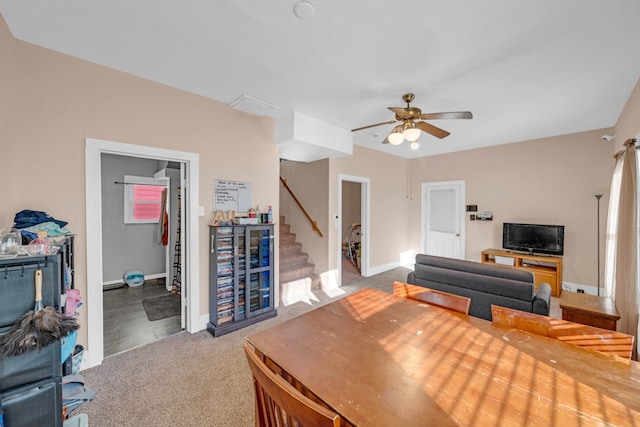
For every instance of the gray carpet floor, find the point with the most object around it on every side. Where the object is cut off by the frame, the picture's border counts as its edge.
(195, 379)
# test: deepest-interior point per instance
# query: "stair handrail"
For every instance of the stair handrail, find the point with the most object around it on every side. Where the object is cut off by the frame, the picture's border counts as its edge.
(314, 224)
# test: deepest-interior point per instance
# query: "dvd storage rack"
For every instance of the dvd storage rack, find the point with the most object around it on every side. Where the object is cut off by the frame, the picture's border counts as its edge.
(240, 276)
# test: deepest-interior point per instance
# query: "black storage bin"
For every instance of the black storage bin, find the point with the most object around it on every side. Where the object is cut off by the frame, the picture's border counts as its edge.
(30, 384)
(34, 405)
(18, 289)
(31, 366)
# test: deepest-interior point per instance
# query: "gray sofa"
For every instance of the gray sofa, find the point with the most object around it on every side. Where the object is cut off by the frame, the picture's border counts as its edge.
(485, 284)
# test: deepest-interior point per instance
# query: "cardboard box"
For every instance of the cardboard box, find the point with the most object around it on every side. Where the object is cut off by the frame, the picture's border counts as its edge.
(247, 221)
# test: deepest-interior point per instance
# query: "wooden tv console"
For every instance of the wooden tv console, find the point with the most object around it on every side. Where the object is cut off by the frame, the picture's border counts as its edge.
(545, 268)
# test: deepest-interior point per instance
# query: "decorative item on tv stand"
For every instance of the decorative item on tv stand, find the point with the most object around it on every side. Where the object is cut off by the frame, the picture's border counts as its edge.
(484, 216)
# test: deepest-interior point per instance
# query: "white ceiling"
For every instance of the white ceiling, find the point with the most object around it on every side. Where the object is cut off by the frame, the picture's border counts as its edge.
(526, 69)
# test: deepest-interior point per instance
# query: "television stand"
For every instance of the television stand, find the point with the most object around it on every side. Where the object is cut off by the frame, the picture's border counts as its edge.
(545, 268)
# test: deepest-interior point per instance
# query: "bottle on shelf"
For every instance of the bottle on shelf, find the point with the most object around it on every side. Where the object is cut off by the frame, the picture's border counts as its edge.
(270, 215)
(258, 214)
(40, 245)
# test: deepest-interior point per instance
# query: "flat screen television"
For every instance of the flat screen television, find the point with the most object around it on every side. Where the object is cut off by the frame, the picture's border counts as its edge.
(533, 238)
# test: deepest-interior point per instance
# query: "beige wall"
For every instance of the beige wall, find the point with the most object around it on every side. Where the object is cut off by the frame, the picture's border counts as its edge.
(308, 181)
(316, 185)
(389, 193)
(9, 165)
(548, 181)
(60, 100)
(551, 180)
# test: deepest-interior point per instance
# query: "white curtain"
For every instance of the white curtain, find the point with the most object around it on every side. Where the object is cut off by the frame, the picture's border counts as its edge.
(621, 250)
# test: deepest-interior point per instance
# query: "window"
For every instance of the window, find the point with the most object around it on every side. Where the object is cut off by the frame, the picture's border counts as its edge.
(142, 199)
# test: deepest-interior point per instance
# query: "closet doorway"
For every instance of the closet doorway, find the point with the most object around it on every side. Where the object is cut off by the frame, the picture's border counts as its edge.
(138, 195)
(189, 267)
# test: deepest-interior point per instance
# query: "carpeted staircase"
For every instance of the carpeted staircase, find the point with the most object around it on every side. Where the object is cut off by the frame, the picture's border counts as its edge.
(297, 275)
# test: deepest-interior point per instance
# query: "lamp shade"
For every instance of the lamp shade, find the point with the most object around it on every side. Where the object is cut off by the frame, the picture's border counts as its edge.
(395, 138)
(415, 145)
(411, 134)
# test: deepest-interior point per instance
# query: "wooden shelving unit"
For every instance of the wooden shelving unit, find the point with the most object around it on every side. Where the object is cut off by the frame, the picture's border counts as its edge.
(546, 268)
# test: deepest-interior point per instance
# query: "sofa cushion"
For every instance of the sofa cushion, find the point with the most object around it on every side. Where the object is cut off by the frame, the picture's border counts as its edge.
(480, 301)
(475, 267)
(485, 284)
(491, 280)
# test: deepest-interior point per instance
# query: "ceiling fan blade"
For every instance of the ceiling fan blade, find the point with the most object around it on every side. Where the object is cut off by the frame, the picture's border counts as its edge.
(449, 115)
(401, 112)
(431, 129)
(395, 129)
(371, 126)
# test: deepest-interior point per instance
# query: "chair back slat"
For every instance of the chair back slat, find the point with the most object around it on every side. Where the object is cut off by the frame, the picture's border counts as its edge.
(279, 404)
(602, 340)
(431, 296)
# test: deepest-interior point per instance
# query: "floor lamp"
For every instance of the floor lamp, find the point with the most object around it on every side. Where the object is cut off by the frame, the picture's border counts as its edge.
(598, 196)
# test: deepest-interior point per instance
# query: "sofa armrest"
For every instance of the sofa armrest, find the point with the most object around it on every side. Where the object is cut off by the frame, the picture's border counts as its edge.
(542, 299)
(411, 278)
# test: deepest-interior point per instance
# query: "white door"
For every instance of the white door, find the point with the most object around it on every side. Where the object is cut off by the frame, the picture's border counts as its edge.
(183, 247)
(443, 219)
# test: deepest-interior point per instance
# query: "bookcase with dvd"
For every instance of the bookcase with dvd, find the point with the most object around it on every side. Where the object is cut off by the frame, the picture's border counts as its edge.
(240, 276)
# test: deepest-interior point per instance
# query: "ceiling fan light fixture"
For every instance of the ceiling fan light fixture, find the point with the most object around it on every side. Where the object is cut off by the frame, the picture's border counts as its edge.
(396, 138)
(415, 145)
(411, 134)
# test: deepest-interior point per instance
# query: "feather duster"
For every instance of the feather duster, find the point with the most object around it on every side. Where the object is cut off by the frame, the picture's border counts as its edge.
(36, 329)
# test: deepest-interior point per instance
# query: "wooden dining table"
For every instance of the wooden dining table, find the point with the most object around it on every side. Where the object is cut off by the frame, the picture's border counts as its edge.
(381, 360)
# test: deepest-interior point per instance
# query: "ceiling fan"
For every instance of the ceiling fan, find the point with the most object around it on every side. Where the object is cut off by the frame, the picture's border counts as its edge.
(409, 127)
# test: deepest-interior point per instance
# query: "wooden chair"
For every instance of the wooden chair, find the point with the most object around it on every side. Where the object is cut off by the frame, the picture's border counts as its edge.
(433, 297)
(602, 340)
(280, 404)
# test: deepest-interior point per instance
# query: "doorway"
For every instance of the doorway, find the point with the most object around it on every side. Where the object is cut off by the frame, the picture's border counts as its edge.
(353, 224)
(443, 219)
(136, 191)
(94, 149)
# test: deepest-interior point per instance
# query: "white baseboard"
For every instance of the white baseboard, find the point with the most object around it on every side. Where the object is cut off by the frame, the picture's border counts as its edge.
(111, 284)
(576, 287)
(202, 324)
(382, 268)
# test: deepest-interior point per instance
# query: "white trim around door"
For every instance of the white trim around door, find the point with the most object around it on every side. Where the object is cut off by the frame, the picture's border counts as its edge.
(364, 222)
(94, 148)
(450, 242)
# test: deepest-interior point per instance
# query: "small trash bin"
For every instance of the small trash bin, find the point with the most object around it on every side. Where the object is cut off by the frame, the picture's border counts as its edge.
(134, 278)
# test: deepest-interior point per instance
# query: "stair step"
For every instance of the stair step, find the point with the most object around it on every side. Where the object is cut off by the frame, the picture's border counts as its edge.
(287, 237)
(285, 228)
(295, 273)
(294, 260)
(288, 249)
